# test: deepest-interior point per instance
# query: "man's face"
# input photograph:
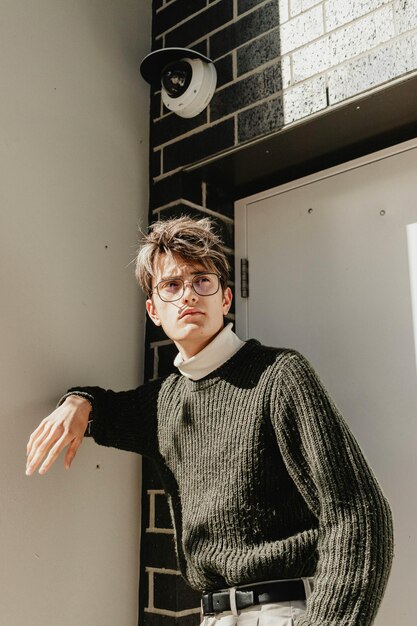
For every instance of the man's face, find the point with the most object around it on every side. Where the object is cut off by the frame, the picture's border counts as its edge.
(193, 320)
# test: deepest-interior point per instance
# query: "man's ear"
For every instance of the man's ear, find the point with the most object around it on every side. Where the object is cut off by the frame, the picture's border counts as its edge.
(227, 300)
(151, 309)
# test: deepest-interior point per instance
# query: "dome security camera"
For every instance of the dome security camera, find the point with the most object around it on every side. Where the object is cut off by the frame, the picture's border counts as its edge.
(188, 79)
(188, 86)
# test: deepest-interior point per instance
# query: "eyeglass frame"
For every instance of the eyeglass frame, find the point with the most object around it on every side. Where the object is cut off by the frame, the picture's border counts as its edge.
(188, 282)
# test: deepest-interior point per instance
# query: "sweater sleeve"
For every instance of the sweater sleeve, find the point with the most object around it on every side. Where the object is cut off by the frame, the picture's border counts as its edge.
(126, 420)
(355, 541)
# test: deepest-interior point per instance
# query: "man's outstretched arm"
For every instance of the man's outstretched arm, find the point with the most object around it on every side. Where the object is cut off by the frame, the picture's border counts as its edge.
(63, 427)
(124, 420)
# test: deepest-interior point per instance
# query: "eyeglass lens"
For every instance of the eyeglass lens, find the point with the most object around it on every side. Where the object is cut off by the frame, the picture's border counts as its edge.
(173, 289)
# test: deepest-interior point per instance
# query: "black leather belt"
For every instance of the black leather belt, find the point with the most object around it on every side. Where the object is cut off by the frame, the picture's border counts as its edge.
(277, 591)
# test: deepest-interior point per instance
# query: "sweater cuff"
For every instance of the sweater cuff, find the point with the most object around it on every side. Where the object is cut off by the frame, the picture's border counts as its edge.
(90, 400)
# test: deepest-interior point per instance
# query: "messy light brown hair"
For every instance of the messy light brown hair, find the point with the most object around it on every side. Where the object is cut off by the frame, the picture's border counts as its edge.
(194, 240)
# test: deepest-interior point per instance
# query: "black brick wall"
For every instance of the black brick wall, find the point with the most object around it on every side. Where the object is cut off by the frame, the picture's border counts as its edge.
(242, 39)
(246, 52)
(244, 29)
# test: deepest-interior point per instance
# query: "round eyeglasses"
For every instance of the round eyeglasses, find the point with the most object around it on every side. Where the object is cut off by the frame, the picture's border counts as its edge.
(173, 289)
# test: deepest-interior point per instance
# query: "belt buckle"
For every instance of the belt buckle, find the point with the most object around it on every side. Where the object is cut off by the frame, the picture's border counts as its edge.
(208, 604)
(232, 598)
(308, 586)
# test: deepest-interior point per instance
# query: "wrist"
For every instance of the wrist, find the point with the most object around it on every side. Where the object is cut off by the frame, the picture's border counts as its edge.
(79, 402)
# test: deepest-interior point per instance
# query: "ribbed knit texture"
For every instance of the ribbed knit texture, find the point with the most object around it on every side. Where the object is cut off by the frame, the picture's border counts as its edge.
(264, 480)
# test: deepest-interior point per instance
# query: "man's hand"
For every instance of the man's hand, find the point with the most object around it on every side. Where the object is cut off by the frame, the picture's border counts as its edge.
(63, 427)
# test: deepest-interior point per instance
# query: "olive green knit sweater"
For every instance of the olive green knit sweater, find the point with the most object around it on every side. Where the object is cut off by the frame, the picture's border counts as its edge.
(264, 480)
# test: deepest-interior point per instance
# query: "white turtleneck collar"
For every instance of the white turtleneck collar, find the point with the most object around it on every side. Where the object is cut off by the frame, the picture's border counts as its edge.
(218, 351)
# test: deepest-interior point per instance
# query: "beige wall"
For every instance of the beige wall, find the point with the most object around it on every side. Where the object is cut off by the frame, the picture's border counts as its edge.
(73, 187)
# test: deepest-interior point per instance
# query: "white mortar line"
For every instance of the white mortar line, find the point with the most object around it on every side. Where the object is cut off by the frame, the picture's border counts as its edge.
(304, 11)
(165, 4)
(357, 97)
(193, 205)
(190, 17)
(216, 30)
(394, 19)
(168, 173)
(259, 68)
(234, 81)
(155, 362)
(245, 43)
(152, 510)
(233, 52)
(172, 613)
(294, 84)
(380, 9)
(383, 44)
(161, 570)
(324, 73)
(150, 590)
(162, 342)
(358, 17)
(324, 18)
(206, 126)
(159, 531)
(227, 117)
(257, 6)
(194, 131)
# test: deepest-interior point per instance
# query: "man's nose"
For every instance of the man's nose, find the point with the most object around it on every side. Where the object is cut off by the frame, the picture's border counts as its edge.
(189, 293)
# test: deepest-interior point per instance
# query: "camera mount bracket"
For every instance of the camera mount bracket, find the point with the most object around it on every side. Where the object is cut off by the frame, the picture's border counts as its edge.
(153, 64)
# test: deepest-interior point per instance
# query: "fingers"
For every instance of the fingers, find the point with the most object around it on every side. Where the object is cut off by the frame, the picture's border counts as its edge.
(53, 453)
(35, 435)
(66, 425)
(41, 448)
(71, 452)
(40, 444)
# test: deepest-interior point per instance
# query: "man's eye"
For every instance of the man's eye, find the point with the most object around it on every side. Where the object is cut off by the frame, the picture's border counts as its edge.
(171, 285)
(202, 280)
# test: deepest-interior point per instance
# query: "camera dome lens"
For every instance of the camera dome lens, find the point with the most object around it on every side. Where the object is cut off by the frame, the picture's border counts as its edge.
(176, 78)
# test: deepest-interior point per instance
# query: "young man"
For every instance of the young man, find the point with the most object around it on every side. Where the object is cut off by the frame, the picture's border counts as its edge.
(277, 515)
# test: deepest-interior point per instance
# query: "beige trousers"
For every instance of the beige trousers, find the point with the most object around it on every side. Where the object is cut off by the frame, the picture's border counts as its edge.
(274, 614)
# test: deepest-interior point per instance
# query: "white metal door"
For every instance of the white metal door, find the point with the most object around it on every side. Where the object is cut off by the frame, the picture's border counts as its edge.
(331, 273)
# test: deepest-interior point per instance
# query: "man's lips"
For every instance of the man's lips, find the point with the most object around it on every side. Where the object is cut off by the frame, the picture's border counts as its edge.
(190, 312)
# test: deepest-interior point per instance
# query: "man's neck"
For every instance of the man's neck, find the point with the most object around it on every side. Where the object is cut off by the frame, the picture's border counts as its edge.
(193, 347)
(217, 351)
